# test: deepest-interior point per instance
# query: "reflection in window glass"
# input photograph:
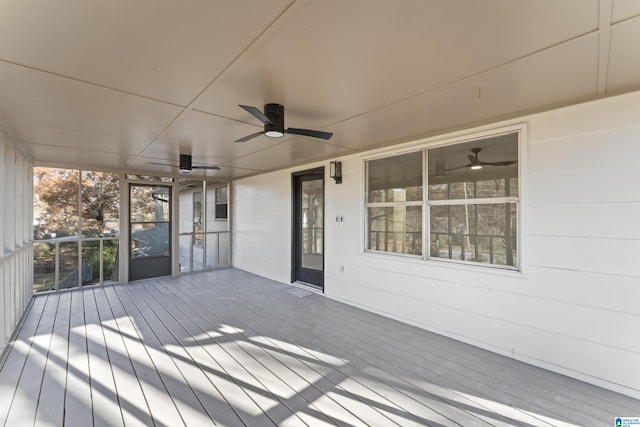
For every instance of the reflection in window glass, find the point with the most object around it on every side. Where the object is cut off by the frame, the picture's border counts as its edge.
(466, 229)
(395, 179)
(438, 191)
(478, 233)
(472, 200)
(513, 187)
(395, 229)
(462, 190)
(491, 188)
(394, 204)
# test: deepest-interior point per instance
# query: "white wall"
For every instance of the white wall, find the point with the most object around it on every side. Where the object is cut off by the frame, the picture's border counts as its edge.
(261, 231)
(575, 308)
(16, 255)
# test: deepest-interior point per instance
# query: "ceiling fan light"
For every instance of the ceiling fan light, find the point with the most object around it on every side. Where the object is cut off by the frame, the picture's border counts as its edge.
(274, 134)
(476, 167)
(185, 171)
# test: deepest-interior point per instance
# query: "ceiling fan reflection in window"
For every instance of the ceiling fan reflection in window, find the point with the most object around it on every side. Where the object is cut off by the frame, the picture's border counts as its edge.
(475, 163)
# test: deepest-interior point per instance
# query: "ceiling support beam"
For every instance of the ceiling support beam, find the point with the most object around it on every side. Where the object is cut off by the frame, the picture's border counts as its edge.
(604, 34)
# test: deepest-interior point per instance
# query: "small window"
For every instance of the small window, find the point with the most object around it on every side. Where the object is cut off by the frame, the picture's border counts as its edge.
(221, 203)
(394, 204)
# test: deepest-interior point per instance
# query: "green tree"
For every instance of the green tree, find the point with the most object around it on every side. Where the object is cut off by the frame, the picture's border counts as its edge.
(56, 194)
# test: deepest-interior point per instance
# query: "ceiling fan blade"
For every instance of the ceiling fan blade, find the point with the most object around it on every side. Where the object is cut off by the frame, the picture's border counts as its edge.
(460, 167)
(257, 114)
(162, 164)
(311, 133)
(248, 137)
(506, 163)
(215, 168)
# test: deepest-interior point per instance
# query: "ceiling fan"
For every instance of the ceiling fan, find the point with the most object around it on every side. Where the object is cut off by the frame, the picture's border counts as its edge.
(273, 119)
(185, 165)
(475, 163)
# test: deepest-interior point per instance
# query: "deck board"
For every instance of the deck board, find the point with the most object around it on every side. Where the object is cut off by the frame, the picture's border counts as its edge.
(325, 336)
(78, 405)
(256, 361)
(488, 379)
(234, 349)
(311, 359)
(22, 374)
(106, 407)
(192, 410)
(133, 404)
(14, 360)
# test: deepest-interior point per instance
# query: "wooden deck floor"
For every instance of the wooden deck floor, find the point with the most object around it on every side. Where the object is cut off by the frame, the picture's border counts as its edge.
(231, 348)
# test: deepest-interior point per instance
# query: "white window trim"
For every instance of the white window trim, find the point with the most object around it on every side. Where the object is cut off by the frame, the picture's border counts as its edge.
(215, 204)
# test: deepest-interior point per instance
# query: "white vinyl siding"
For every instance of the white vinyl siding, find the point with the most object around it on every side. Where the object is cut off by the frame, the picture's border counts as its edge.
(573, 308)
(15, 237)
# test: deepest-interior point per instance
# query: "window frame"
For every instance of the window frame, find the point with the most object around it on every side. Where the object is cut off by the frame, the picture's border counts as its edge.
(424, 145)
(217, 203)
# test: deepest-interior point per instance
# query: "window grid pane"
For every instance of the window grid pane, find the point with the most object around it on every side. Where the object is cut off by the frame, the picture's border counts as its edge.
(394, 204)
(472, 198)
(395, 179)
(395, 229)
(484, 233)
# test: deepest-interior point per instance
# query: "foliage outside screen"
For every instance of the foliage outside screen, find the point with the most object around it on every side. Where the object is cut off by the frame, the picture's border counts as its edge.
(58, 215)
(56, 210)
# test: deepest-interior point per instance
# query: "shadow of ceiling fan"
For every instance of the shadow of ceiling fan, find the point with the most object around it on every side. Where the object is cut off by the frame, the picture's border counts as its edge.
(185, 165)
(273, 120)
(475, 163)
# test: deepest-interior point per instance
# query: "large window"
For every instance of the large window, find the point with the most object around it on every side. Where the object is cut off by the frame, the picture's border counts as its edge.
(470, 209)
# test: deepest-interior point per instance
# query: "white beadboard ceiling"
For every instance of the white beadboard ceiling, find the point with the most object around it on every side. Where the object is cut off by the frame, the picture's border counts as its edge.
(112, 85)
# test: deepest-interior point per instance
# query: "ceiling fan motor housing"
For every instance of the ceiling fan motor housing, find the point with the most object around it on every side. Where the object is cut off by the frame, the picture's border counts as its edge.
(275, 113)
(185, 164)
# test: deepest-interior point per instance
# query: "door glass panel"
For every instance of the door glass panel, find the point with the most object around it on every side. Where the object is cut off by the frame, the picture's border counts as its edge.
(150, 231)
(151, 239)
(312, 224)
